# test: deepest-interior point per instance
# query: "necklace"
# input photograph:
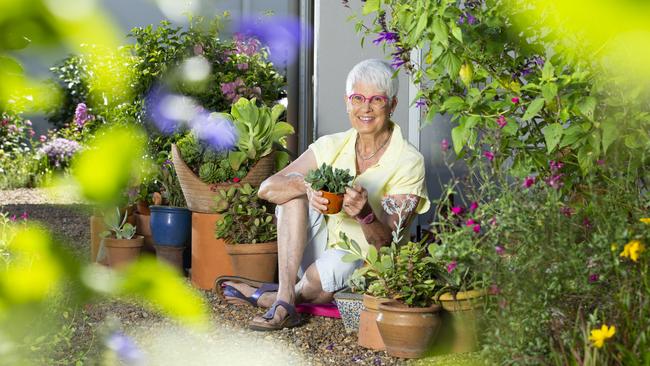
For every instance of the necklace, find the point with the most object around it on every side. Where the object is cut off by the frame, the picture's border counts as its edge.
(373, 154)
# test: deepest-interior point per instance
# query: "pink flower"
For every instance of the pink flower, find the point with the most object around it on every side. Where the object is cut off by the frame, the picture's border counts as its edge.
(31, 133)
(515, 100)
(444, 145)
(555, 181)
(501, 121)
(488, 155)
(457, 210)
(470, 222)
(499, 250)
(451, 266)
(477, 228)
(236, 180)
(528, 182)
(42, 138)
(555, 165)
(494, 289)
(473, 206)
(13, 218)
(24, 216)
(493, 221)
(600, 161)
(566, 211)
(28, 122)
(594, 277)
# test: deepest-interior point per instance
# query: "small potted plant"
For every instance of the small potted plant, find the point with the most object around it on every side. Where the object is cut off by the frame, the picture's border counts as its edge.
(332, 182)
(121, 244)
(249, 232)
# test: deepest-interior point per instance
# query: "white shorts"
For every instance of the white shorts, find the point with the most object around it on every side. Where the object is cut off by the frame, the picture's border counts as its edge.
(333, 272)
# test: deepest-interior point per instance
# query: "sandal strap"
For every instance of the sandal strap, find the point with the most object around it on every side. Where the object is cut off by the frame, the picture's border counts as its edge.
(267, 287)
(270, 314)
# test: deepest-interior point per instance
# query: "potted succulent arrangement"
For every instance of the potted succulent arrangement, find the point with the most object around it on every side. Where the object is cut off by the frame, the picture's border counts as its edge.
(170, 219)
(249, 232)
(332, 182)
(203, 170)
(405, 277)
(120, 245)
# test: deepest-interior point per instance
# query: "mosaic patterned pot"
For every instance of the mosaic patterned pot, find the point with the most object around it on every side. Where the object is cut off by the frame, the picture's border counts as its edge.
(350, 306)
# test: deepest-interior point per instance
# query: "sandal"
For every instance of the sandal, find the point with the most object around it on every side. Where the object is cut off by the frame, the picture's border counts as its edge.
(233, 296)
(292, 319)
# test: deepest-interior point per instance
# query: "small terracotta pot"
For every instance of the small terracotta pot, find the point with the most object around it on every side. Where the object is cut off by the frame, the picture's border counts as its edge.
(368, 335)
(254, 261)
(142, 207)
(121, 252)
(172, 255)
(209, 257)
(462, 320)
(408, 331)
(335, 202)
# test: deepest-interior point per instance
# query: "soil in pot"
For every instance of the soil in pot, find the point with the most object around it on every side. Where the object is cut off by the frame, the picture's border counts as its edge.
(121, 252)
(335, 202)
(408, 332)
(254, 261)
(368, 335)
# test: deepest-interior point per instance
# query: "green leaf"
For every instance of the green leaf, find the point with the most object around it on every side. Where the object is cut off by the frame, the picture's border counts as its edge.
(281, 129)
(533, 108)
(350, 257)
(547, 71)
(459, 137)
(440, 30)
(372, 254)
(370, 7)
(552, 135)
(281, 160)
(456, 32)
(451, 63)
(611, 131)
(236, 158)
(419, 28)
(549, 91)
(453, 104)
(587, 107)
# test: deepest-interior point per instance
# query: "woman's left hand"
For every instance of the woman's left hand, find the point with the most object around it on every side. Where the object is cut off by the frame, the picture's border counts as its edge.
(355, 200)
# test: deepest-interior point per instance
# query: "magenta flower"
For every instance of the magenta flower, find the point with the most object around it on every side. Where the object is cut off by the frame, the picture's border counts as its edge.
(528, 182)
(31, 133)
(493, 221)
(555, 181)
(24, 215)
(451, 266)
(488, 155)
(501, 121)
(457, 210)
(477, 228)
(594, 277)
(242, 66)
(586, 223)
(246, 45)
(13, 218)
(600, 161)
(42, 138)
(473, 206)
(444, 145)
(499, 250)
(555, 165)
(515, 100)
(566, 211)
(470, 222)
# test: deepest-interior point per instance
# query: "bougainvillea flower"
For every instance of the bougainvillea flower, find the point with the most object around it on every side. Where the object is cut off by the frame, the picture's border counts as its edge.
(499, 250)
(566, 211)
(501, 121)
(488, 155)
(632, 250)
(470, 222)
(528, 182)
(515, 100)
(457, 210)
(477, 228)
(473, 206)
(599, 336)
(555, 181)
(282, 35)
(555, 165)
(451, 266)
(444, 145)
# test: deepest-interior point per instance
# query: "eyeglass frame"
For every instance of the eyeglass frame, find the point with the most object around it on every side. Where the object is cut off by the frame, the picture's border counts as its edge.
(368, 99)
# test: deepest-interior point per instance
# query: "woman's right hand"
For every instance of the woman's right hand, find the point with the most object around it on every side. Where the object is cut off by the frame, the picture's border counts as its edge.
(316, 199)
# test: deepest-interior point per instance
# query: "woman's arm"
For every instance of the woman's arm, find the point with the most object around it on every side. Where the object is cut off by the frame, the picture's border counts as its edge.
(289, 183)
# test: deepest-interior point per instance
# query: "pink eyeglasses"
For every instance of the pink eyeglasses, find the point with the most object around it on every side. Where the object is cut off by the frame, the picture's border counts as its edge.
(377, 101)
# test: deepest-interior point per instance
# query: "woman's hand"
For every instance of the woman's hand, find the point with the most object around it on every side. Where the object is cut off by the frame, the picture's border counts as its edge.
(355, 201)
(316, 199)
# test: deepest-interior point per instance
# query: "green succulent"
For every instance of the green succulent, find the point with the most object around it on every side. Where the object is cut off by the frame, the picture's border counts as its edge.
(245, 217)
(329, 179)
(214, 156)
(190, 148)
(209, 172)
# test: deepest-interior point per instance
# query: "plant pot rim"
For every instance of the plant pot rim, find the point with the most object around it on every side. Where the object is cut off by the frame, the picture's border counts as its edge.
(270, 247)
(462, 295)
(347, 295)
(135, 242)
(332, 193)
(167, 208)
(397, 306)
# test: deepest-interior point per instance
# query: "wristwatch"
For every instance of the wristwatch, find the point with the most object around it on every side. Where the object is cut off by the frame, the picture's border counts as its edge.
(368, 219)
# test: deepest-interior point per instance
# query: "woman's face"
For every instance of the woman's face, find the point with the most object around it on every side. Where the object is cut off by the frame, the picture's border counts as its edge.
(368, 117)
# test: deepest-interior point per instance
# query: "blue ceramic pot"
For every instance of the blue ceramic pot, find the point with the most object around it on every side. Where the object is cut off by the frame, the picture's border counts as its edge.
(170, 225)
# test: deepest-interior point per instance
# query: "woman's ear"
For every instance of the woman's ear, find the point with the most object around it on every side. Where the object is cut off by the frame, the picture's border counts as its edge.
(393, 105)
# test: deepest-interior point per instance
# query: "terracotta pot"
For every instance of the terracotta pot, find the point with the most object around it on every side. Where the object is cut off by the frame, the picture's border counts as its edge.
(121, 252)
(254, 261)
(335, 202)
(368, 335)
(461, 321)
(97, 226)
(209, 257)
(200, 195)
(143, 227)
(350, 306)
(142, 207)
(172, 255)
(408, 331)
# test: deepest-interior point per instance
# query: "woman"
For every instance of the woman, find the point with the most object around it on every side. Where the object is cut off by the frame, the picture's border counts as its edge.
(385, 165)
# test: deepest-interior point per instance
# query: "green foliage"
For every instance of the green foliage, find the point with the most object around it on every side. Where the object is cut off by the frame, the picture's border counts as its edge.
(329, 179)
(212, 166)
(190, 148)
(172, 192)
(71, 75)
(245, 220)
(118, 228)
(481, 55)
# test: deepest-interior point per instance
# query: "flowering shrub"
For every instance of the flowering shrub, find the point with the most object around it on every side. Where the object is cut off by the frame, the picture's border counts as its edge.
(59, 151)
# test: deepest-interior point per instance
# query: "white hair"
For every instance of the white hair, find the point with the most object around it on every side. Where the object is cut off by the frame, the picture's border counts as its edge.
(375, 72)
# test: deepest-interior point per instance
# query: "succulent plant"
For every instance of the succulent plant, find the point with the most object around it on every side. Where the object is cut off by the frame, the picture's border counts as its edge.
(118, 228)
(246, 219)
(190, 149)
(329, 179)
(208, 172)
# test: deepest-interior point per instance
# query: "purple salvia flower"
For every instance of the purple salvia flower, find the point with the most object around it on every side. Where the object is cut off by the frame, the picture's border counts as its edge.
(388, 37)
(461, 20)
(473, 206)
(421, 103)
(471, 20)
(538, 60)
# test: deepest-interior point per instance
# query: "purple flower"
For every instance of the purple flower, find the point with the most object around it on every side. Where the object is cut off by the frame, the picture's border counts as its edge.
(12, 218)
(330, 347)
(515, 100)
(586, 223)
(451, 266)
(473, 206)
(499, 250)
(244, 45)
(24, 215)
(471, 20)
(555, 165)
(555, 181)
(81, 115)
(124, 347)
(377, 361)
(242, 66)
(388, 37)
(461, 20)
(457, 210)
(421, 103)
(282, 35)
(528, 181)
(493, 221)
(600, 161)
(59, 151)
(444, 145)
(538, 60)
(477, 228)
(501, 121)
(42, 138)
(594, 277)
(397, 62)
(494, 289)
(488, 155)
(218, 131)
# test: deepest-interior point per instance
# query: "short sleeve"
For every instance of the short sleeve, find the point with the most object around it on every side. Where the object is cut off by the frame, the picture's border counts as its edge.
(409, 179)
(326, 148)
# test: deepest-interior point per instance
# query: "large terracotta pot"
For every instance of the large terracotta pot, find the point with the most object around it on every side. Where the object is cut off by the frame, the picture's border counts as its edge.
(461, 321)
(408, 331)
(335, 202)
(121, 252)
(254, 261)
(209, 257)
(200, 195)
(369, 336)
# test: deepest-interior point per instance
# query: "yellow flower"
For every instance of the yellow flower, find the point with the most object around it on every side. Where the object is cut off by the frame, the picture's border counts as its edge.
(645, 220)
(599, 336)
(614, 247)
(632, 250)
